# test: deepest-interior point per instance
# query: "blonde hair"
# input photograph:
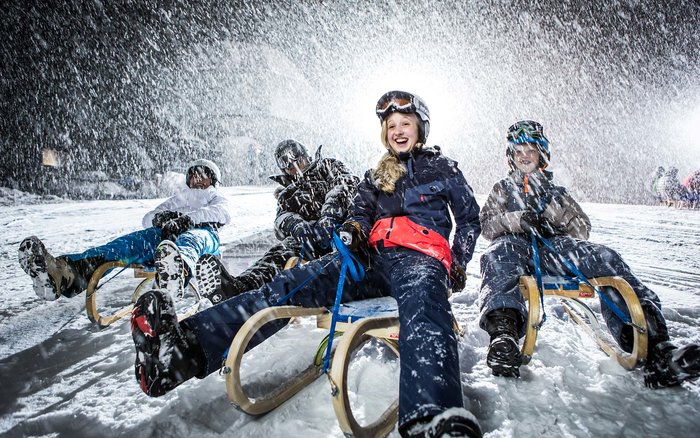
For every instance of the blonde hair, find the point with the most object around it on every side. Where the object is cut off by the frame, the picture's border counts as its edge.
(390, 168)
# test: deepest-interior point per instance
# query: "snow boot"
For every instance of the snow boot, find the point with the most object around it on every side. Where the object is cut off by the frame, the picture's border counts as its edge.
(668, 365)
(166, 356)
(454, 422)
(504, 357)
(170, 269)
(214, 282)
(51, 277)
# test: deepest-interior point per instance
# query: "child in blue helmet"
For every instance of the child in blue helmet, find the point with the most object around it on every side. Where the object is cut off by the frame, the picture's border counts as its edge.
(528, 200)
(176, 233)
(401, 218)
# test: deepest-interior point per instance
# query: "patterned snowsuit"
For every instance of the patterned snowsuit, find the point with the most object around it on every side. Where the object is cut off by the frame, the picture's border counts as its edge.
(430, 377)
(510, 254)
(322, 195)
(207, 209)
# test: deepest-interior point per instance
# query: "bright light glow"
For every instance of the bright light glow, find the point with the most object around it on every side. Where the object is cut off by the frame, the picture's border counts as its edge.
(433, 85)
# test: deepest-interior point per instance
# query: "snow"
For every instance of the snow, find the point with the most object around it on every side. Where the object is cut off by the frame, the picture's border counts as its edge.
(60, 375)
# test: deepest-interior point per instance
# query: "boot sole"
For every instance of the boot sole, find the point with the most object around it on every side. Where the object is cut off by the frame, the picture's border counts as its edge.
(33, 260)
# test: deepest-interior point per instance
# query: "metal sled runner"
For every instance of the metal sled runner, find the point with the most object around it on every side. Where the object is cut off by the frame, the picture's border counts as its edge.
(572, 291)
(359, 322)
(146, 274)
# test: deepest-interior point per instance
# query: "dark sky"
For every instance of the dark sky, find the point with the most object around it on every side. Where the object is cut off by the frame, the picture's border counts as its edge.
(127, 87)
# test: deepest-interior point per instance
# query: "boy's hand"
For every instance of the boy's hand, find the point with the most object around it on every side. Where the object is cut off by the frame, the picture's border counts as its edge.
(177, 226)
(162, 217)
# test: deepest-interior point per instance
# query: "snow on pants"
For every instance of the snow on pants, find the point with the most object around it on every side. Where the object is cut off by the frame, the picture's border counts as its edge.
(270, 264)
(140, 247)
(510, 256)
(429, 377)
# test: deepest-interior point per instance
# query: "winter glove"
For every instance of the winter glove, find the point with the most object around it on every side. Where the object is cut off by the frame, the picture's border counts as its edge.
(301, 230)
(174, 227)
(349, 234)
(162, 217)
(459, 278)
(530, 221)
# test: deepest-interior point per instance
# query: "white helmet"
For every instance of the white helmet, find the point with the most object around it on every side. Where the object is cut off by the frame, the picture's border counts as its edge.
(213, 171)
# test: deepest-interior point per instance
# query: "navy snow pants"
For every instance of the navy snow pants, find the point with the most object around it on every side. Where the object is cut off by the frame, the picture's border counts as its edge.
(429, 376)
(510, 256)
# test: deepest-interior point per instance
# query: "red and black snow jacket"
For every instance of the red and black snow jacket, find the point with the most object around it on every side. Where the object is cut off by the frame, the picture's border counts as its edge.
(417, 214)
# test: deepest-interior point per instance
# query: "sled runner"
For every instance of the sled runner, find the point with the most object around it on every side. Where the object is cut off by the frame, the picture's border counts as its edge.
(147, 274)
(572, 292)
(360, 321)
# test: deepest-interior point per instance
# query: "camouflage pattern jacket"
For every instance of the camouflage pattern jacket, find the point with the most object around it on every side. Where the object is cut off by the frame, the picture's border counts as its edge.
(322, 195)
(518, 193)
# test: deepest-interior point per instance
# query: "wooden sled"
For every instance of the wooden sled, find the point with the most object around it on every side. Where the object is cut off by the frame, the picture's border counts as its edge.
(146, 274)
(358, 329)
(359, 320)
(572, 292)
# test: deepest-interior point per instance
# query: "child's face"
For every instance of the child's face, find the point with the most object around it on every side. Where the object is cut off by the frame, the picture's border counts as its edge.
(526, 157)
(199, 180)
(402, 131)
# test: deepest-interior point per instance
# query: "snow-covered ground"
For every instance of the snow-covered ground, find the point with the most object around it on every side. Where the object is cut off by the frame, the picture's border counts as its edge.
(61, 376)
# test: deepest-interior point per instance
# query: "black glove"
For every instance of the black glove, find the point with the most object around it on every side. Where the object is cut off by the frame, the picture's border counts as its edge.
(459, 278)
(162, 217)
(349, 234)
(174, 227)
(301, 230)
(532, 221)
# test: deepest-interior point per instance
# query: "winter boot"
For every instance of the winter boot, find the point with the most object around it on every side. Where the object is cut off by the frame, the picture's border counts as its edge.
(214, 282)
(454, 422)
(166, 356)
(668, 365)
(504, 357)
(51, 277)
(170, 269)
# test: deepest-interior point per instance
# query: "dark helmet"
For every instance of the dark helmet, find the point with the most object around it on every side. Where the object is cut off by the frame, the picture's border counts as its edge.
(404, 102)
(290, 152)
(528, 131)
(206, 167)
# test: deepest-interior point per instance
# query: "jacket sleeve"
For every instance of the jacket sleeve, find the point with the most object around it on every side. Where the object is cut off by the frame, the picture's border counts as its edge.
(566, 216)
(466, 214)
(169, 204)
(495, 218)
(216, 210)
(285, 221)
(202, 206)
(364, 205)
(339, 198)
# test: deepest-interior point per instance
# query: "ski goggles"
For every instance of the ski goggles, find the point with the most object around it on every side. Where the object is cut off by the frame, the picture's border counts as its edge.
(528, 128)
(395, 102)
(527, 132)
(289, 159)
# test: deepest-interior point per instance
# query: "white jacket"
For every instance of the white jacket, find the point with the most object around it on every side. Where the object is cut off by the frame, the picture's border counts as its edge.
(201, 205)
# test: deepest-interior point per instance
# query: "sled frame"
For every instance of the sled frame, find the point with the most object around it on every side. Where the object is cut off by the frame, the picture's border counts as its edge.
(384, 329)
(354, 334)
(147, 275)
(232, 365)
(571, 298)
